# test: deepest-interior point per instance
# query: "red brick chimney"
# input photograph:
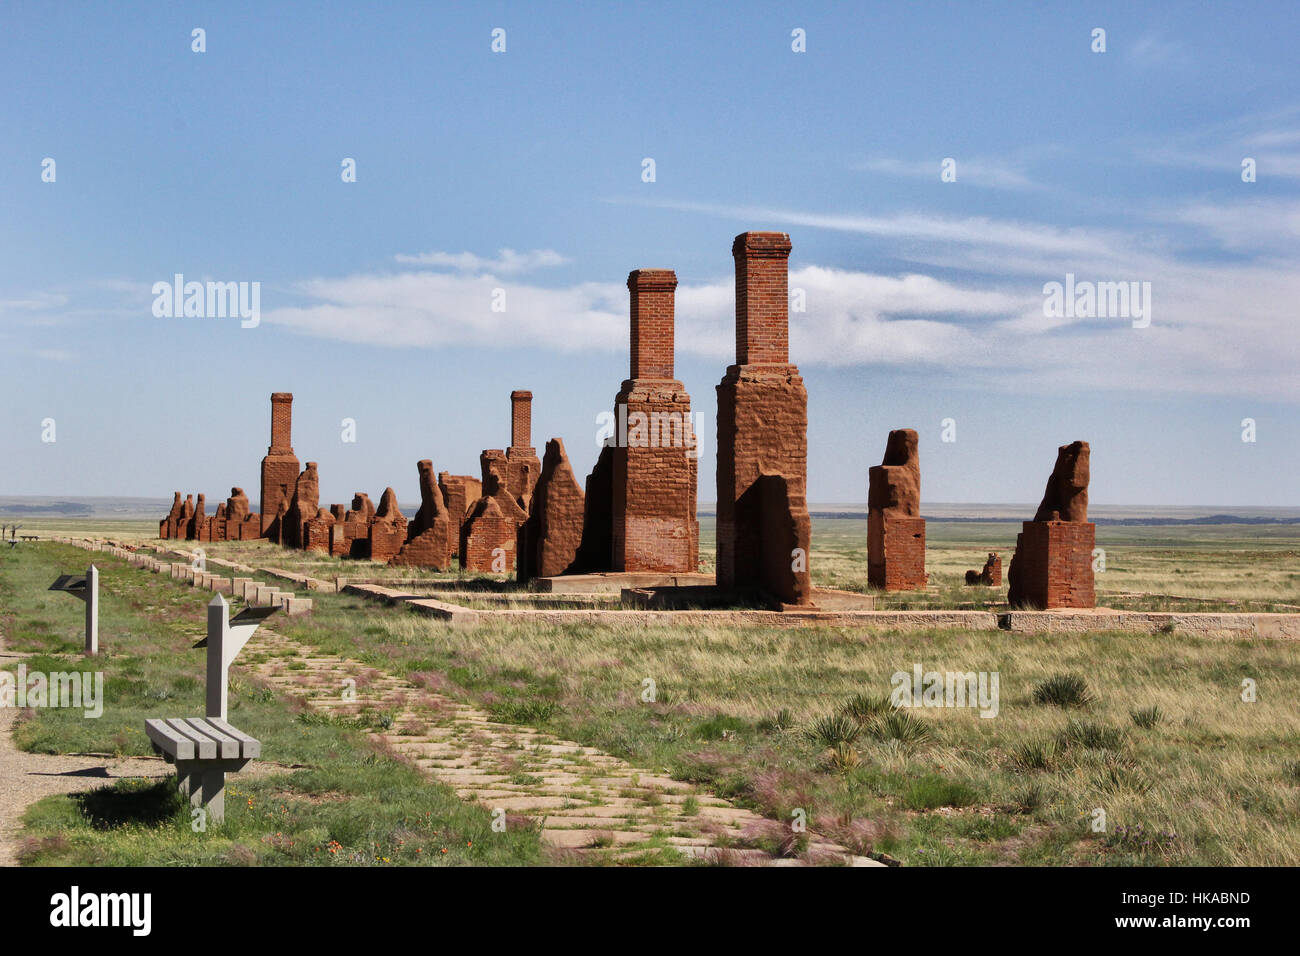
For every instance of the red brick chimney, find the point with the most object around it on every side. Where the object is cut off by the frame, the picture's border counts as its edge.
(281, 423)
(521, 419)
(652, 322)
(762, 298)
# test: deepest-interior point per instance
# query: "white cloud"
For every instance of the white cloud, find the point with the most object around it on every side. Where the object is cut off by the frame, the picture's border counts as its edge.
(507, 261)
(973, 171)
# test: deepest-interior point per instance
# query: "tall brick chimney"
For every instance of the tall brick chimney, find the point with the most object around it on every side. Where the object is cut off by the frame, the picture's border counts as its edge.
(653, 525)
(281, 423)
(762, 298)
(279, 467)
(521, 419)
(652, 322)
(522, 466)
(763, 526)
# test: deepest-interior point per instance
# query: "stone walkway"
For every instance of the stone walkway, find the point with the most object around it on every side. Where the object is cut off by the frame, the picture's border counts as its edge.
(587, 802)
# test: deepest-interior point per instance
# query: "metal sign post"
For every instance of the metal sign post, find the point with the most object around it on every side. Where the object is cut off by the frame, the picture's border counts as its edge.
(84, 587)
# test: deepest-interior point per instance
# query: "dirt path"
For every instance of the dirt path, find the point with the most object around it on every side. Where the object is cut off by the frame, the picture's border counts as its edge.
(587, 801)
(26, 778)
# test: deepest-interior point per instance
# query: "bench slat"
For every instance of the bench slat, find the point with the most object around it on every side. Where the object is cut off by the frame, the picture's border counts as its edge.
(251, 746)
(205, 746)
(228, 746)
(168, 740)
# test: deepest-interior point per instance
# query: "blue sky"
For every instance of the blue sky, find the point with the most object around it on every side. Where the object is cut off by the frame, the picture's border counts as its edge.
(924, 297)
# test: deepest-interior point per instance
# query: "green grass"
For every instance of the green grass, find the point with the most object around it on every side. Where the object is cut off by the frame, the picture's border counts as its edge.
(348, 804)
(734, 706)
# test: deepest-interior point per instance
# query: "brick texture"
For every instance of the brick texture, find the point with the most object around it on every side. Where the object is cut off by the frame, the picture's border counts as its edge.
(763, 432)
(895, 528)
(653, 520)
(279, 467)
(549, 540)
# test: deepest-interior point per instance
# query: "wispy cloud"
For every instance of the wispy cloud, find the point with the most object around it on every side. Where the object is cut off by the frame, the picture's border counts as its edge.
(507, 261)
(974, 171)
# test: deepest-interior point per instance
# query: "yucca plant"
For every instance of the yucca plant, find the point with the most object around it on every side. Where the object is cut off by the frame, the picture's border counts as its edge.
(1034, 755)
(900, 725)
(834, 729)
(1094, 736)
(1146, 718)
(1064, 690)
(863, 707)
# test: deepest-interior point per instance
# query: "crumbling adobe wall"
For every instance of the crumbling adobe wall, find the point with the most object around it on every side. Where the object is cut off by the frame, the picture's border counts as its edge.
(387, 528)
(429, 542)
(895, 528)
(762, 430)
(595, 553)
(1052, 564)
(489, 538)
(486, 530)
(990, 575)
(548, 541)
(303, 506)
(167, 526)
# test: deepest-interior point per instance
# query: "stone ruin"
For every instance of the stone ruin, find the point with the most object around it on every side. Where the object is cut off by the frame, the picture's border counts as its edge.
(429, 536)
(895, 528)
(489, 533)
(653, 525)
(279, 467)
(387, 529)
(551, 536)
(350, 535)
(991, 574)
(459, 492)
(1052, 564)
(637, 512)
(764, 530)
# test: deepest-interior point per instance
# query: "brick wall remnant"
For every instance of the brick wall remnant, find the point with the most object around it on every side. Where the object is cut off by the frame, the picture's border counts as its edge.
(522, 466)
(1052, 563)
(548, 540)
(279, 467)
(654, 524)
(895, 528)
(763, 431)
(595, 553)
(302, 507)
(387, 528)
(990, 575)
(167, 527)
(429, 537)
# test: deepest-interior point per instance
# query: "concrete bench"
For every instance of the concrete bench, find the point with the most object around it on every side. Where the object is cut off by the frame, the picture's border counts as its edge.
(204, 750)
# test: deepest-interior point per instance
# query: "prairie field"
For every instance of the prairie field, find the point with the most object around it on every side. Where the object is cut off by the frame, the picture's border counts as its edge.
(1105, 749)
